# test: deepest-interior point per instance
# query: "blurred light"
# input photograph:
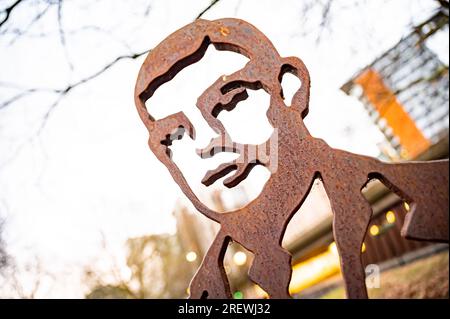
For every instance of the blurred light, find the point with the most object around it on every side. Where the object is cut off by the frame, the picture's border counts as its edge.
(374, 230)
(238, 295)
(363, 247)
(390, 217)
(406, 205)
(357, 91)
(315, 269)
(259, 292)
(333, 248)
(240, 258)
(191, 256)
(404, 153)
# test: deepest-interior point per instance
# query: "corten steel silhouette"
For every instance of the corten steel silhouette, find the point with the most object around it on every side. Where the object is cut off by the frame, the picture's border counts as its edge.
(260, 225)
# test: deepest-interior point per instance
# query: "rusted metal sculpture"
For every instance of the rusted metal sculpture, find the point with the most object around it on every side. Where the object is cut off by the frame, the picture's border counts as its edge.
(301, 158)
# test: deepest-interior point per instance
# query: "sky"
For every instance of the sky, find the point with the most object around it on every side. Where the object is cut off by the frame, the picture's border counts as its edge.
(89, 175)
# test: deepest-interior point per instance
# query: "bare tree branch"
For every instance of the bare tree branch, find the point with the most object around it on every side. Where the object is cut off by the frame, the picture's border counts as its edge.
(16, 98)
(7, 12)
(148, 9)
(25, 280)
(71, 32)
(70, 87)
(20, 32)
(212, 4)
(132, 56)
(61, 93)
(62, 36)
(325, 19)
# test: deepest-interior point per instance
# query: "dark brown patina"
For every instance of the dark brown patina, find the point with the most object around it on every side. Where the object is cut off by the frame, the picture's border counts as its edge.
(292, 155)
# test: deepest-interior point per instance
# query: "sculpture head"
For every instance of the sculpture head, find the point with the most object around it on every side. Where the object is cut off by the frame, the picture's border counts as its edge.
(264, 70)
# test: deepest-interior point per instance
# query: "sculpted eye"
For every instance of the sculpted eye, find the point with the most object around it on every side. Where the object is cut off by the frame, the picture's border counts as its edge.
(230, 99)
(240, 84)
(232, 93)
(230, 86)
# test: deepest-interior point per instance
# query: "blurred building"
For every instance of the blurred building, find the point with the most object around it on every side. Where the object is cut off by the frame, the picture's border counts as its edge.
(196, 233)
(405, 91)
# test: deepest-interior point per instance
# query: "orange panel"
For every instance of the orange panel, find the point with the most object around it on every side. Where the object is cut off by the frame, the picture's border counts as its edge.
(383, 99)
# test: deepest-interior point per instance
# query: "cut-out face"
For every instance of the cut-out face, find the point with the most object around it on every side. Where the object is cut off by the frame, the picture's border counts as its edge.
(263, 71)
(260, 225)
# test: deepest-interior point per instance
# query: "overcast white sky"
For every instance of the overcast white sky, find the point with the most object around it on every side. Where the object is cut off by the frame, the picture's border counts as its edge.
(90, 170)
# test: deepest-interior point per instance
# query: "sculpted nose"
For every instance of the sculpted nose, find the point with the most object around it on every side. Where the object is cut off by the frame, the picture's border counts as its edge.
(207, 103)
(210, 103)
(223, 94)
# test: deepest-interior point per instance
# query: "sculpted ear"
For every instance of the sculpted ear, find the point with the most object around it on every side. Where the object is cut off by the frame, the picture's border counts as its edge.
(300, 99)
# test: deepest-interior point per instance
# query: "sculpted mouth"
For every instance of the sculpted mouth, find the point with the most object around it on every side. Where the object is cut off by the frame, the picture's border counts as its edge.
(225, 94)
(250, 156)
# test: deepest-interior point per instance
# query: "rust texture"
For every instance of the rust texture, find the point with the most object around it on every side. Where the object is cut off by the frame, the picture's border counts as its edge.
(299, 159)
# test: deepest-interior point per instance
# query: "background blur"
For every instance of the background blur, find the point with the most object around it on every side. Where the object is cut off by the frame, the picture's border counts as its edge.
(86, 210)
